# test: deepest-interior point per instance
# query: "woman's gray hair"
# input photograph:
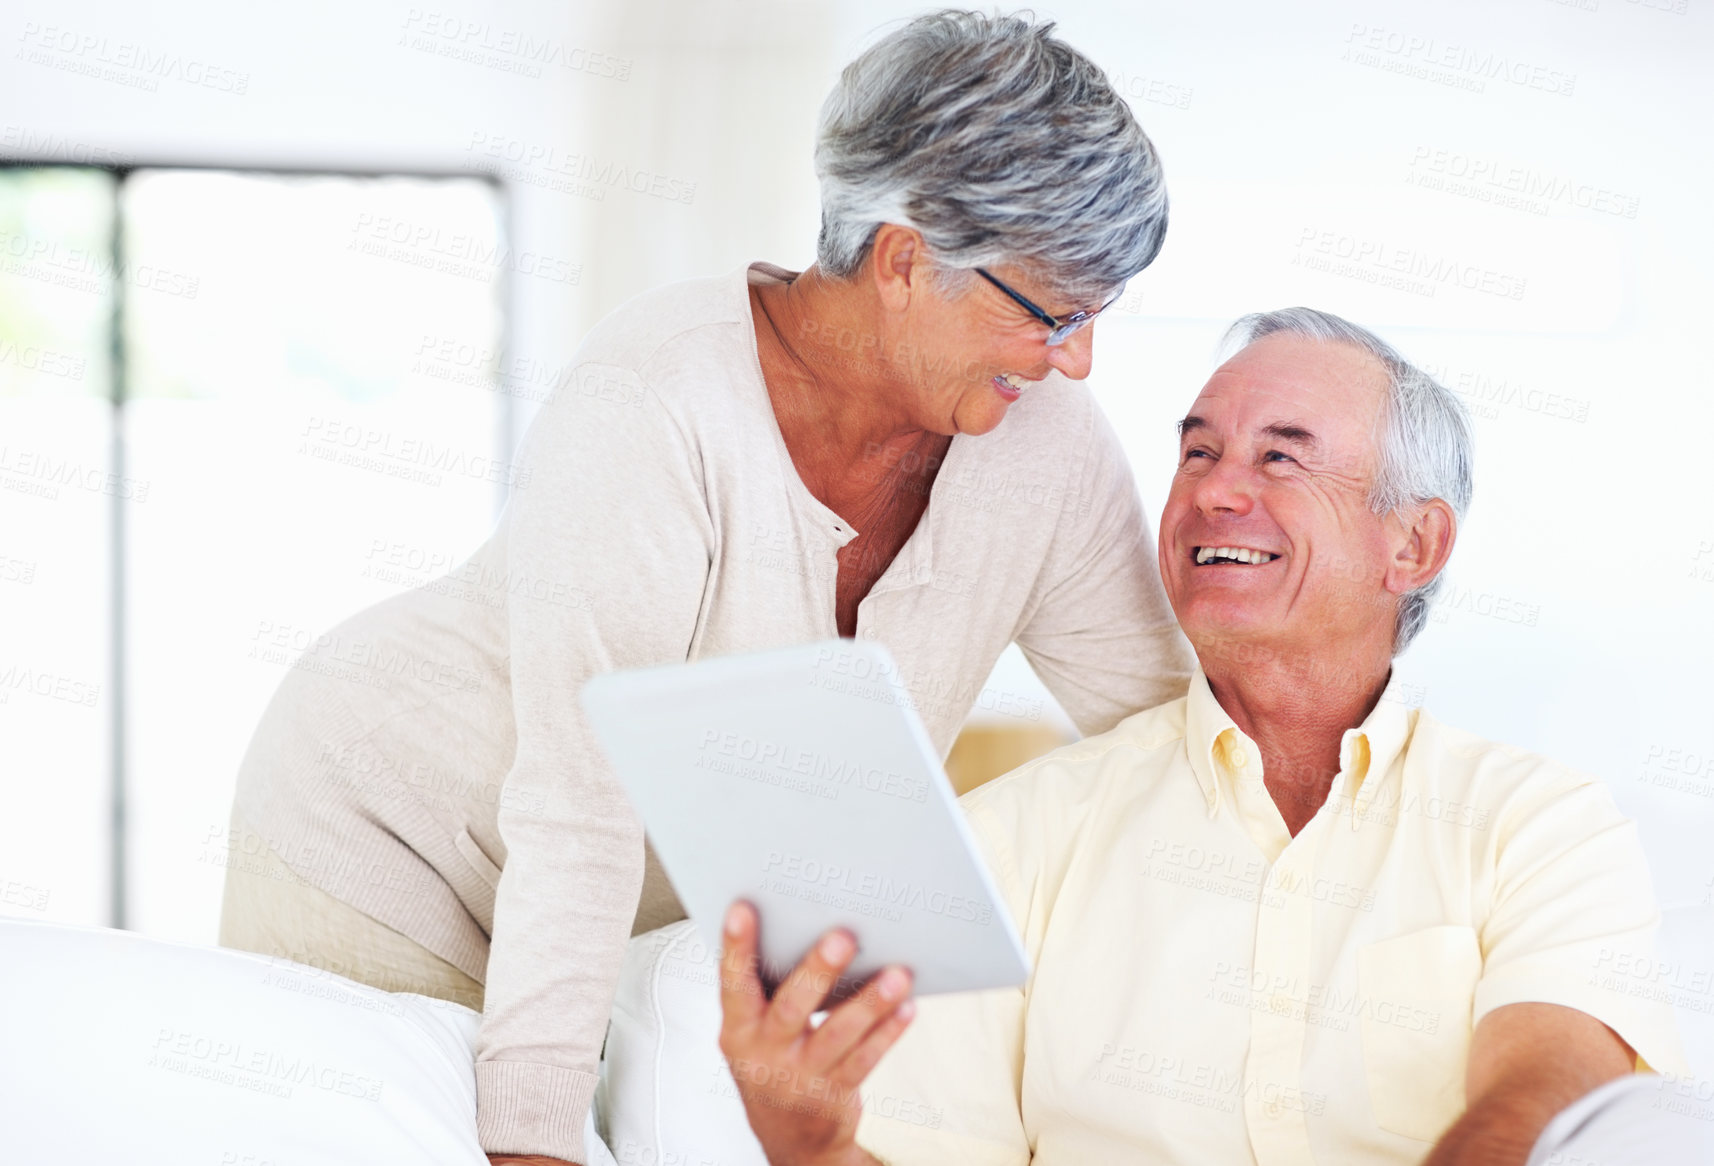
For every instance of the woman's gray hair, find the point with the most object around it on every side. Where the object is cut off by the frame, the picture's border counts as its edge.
(997, 143)
(1425, 448)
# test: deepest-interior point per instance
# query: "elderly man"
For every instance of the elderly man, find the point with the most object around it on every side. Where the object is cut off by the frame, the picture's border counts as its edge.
(1284, 919)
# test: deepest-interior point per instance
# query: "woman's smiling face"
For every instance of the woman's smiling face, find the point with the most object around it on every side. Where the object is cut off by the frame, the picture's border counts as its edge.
(960, 361)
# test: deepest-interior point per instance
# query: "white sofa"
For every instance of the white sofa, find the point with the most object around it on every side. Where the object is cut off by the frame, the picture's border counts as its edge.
(116, 1048)
(666, 1095)
(119, 1049)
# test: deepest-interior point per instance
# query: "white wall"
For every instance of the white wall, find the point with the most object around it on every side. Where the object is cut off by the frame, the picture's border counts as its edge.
(1578, 621)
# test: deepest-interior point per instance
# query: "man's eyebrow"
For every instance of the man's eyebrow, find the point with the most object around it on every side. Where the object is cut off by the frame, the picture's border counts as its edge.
(1279, 431)
(1290, 431)
(1293, 432)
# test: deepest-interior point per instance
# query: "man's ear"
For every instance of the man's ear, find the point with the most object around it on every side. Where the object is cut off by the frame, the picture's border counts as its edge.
(1426, 538)
(898, 265)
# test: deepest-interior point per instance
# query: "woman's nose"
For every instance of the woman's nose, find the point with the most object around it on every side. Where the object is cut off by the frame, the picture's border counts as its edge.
(1076, 355)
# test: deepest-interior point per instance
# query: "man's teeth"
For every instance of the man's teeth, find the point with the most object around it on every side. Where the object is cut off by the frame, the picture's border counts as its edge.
(1232, 554)
(1016, 381)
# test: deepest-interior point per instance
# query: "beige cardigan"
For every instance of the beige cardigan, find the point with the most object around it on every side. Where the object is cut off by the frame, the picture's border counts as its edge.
(428, 762)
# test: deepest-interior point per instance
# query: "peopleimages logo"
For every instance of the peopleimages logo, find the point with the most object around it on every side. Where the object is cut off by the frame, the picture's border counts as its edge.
(87, 270)
(794, 876)
(508, 50)
(434, 248)
(806, 770)
(36, 472)
(403, 455)
(264, 1070)
(123, 62)
(46, 145)
(1493, 180)
(1427, 58)
(1405, 268)
(568, 172)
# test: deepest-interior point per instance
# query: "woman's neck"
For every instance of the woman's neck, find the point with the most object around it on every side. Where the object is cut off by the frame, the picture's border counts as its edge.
(841, 411)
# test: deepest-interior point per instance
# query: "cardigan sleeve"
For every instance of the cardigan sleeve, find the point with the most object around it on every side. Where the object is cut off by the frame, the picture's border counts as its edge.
(1099, 631)
(609, 551)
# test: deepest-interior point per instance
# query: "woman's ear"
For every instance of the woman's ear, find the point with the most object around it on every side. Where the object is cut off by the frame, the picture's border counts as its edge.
(896, 263)
(1425, 543)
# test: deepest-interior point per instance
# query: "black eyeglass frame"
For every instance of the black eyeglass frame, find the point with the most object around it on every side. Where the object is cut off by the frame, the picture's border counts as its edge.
(1058, 330)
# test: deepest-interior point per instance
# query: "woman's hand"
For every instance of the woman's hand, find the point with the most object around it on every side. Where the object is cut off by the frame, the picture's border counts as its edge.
(798, 1082)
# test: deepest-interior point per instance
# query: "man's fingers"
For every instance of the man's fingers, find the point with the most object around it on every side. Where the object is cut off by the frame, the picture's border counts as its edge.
(807, 986)
(860, 1061)
(847, 1025)
(741, 1000)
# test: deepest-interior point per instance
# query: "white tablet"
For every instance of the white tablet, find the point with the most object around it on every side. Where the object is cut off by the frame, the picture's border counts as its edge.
(803, 781)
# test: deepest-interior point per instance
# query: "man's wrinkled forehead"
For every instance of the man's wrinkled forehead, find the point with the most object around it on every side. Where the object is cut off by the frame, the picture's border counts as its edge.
(1324, 398)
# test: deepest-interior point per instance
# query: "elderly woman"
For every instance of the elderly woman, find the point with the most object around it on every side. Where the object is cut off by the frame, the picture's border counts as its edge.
(891, 445)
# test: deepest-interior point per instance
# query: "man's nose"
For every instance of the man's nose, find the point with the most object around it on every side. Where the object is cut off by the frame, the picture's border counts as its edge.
(1076, 355)
(1229, 487)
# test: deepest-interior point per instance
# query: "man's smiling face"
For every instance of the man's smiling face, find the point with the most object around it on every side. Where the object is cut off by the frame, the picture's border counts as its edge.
(1268, 536)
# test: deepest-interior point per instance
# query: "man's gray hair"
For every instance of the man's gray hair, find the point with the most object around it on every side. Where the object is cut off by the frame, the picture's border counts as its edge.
(997, 143)
(1425, 448)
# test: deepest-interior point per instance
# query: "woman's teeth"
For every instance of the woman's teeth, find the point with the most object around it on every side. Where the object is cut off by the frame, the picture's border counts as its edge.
(1016, 381)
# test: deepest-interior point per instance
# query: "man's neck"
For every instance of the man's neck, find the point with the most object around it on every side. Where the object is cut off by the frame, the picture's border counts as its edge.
(1296, 707)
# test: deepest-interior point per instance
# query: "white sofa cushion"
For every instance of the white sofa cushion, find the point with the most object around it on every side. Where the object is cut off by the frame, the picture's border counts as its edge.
(119, 1048)
(1640, 1120)
(666, 1095)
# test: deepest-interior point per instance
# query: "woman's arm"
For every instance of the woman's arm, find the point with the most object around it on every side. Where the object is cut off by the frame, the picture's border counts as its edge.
(1099, 631)
(608, 556)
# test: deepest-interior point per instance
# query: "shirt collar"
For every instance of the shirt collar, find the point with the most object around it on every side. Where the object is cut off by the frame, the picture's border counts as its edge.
(1204, 722)
(1369, 749)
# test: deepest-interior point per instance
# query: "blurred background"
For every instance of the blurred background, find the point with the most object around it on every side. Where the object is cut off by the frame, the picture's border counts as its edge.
(281, 290)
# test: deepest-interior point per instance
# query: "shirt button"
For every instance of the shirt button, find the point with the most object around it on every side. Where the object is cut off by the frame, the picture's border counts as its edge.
(1279, 1003)
(868, 633)
(1272, 1109)
(1240, 758)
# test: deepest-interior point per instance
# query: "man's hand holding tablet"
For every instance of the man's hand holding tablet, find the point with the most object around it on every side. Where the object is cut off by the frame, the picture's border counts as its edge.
(801, 783)
(799, 1080)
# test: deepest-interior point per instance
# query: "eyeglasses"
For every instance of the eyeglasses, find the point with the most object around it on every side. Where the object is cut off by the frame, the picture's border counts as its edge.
(1058, 330)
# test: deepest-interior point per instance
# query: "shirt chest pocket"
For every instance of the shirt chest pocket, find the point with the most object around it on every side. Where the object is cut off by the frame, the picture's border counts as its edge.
(1417, 992)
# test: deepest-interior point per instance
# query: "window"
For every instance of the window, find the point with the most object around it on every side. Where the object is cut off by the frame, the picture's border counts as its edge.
(235, 408)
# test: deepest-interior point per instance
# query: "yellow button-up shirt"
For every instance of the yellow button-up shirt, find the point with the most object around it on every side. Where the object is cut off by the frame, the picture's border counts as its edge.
(1207, 989)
